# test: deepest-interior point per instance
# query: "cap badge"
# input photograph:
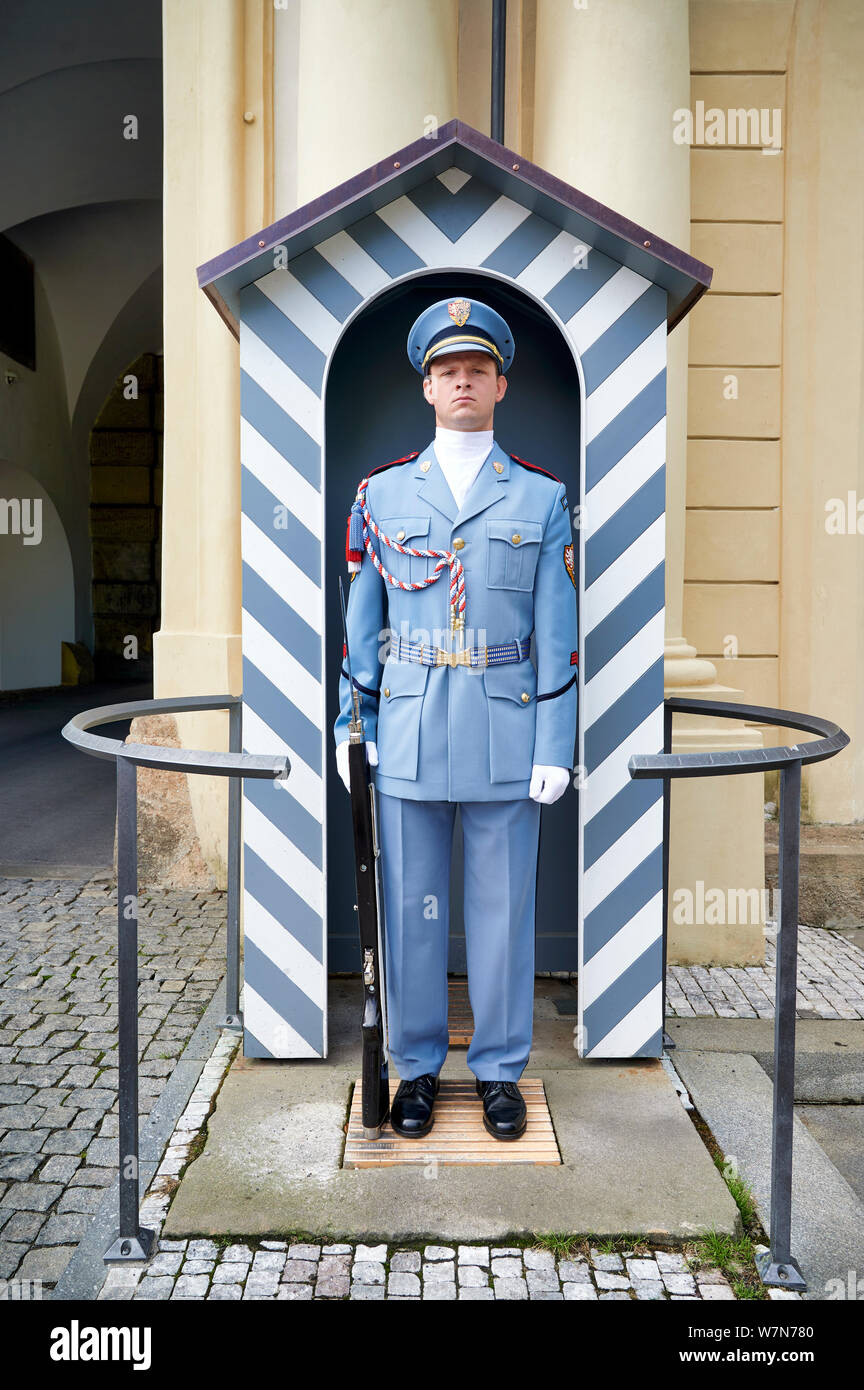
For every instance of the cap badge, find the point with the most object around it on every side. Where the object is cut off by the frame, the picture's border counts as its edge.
(459, 310)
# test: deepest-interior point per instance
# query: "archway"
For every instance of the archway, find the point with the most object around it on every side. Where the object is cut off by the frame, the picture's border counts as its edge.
(125, 515)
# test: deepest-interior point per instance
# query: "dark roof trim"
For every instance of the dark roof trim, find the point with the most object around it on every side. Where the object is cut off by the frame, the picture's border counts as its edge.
(684, 278)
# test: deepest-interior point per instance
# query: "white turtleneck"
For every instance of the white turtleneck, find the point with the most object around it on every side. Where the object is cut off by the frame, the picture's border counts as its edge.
(461, 454)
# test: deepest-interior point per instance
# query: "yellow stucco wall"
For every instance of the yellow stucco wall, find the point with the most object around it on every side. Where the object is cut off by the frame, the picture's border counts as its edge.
(218, 178)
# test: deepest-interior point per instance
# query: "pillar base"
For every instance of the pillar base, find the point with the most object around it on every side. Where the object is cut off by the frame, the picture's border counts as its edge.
(717, 897)
(202, 663)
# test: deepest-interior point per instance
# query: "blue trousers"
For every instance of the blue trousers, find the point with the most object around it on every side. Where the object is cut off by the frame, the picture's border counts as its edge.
(500, 841)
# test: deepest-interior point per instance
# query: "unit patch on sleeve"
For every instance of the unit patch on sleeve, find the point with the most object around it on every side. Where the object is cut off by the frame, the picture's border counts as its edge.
(569, 563)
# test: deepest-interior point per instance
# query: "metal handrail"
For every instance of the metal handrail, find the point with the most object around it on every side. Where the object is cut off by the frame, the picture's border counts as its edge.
(719, 764)
(134, 1242)
(776, 1266)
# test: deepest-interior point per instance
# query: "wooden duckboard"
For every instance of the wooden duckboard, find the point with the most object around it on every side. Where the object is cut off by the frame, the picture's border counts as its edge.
(460, 1020)
(458, 1134)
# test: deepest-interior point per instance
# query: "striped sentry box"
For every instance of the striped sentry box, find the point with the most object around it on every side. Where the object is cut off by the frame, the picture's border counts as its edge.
(615, 319)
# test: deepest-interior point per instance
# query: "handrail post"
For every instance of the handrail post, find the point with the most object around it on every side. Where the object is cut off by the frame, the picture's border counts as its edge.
(134, 1242)
(667, 810)
(233, 1017)
(776, 1266)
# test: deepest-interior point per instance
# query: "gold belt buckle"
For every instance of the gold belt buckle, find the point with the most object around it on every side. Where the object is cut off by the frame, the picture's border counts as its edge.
(462, 657)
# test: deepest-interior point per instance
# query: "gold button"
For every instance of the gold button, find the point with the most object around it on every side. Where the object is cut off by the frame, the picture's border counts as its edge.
(525, 697)
(458, 543)
(515, 538)
(387, 690)
(400, 535)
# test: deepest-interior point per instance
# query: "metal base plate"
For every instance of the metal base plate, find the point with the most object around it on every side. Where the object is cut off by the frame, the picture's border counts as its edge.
(130, 1247)
(777, 1275)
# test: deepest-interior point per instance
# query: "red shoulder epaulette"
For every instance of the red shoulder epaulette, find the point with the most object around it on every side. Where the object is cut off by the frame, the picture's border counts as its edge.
(535, 467)
(381, 466)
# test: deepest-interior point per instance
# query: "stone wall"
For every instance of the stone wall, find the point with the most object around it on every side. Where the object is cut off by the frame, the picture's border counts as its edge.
(125, 522)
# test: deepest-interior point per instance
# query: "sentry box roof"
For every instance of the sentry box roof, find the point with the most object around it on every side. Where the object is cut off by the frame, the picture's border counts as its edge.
(552, 206)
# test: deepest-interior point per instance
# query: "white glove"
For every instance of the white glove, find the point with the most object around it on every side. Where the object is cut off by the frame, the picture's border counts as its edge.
(548, 783)
(342, 759)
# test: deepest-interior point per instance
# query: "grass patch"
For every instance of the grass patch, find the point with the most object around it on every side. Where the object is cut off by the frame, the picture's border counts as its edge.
(733, 1256)
(565, 1246)
(196, 1148)
(742, 1193)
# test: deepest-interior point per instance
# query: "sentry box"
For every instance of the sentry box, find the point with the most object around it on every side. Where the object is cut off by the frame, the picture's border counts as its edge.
(321, 303)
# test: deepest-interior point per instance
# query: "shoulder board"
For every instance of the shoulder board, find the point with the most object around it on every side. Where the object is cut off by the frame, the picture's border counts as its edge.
(382, 466)
(535, 468)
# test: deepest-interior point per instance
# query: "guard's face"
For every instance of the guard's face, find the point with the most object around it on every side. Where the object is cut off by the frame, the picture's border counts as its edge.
(464, 388)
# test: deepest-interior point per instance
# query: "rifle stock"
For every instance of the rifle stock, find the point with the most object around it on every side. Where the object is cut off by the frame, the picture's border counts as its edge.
(376, 1087)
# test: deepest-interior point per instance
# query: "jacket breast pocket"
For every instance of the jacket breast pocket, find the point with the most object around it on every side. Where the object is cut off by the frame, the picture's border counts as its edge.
(513, 549)
(403, 686)
(512, 710)
(407, 530)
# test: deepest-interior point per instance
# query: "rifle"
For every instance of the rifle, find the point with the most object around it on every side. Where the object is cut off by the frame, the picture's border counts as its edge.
(375, 1075)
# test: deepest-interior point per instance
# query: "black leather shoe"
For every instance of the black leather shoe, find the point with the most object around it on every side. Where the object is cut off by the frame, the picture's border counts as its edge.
(411, 1111)
(504, 1112)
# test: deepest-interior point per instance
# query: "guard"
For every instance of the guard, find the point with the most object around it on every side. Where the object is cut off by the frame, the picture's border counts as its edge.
(458, 555)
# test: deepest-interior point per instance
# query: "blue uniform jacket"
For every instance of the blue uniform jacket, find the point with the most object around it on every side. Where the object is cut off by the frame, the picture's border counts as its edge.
(455, 733)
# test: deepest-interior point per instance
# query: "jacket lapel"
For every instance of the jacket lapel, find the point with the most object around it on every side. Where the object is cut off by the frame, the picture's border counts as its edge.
(488, 487)
(433, 486)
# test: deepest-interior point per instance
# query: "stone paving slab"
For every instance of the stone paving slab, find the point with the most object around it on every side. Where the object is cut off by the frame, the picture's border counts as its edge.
(829, 1053)
(223, 1269)
(839, 1130)
(735, 1098)
(315, 1267)
(632, 1161)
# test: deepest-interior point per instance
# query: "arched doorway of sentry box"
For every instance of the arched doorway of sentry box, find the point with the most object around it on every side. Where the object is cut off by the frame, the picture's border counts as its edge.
(375, 411)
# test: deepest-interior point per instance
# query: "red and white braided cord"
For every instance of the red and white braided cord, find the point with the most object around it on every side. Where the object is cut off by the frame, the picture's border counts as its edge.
(444, 557)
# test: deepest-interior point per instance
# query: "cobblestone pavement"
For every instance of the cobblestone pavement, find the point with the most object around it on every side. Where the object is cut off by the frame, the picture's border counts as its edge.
(278, 1270)
(58, 1122)
(830, 982)
(58, 1041)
